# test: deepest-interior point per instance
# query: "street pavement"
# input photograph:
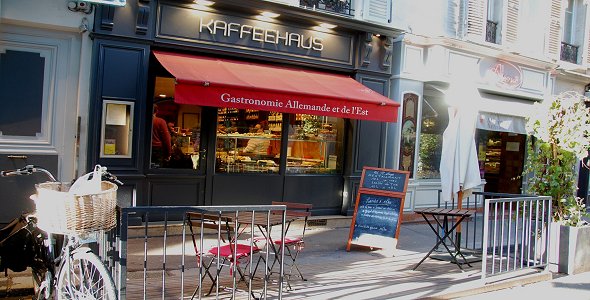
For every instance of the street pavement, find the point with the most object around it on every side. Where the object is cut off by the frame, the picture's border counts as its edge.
(325, 253)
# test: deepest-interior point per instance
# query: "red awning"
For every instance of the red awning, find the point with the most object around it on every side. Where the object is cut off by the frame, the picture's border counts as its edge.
(225, 83)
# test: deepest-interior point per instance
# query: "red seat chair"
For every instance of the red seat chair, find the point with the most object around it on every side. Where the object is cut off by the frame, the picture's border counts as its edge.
(230, 253)
(295, 238)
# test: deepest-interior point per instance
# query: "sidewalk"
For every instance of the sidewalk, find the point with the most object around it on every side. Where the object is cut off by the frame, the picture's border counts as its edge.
(334, 273)
(561, 287)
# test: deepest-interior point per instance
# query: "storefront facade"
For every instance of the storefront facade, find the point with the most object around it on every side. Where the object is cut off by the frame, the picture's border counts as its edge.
(505, 88)
(226, 79)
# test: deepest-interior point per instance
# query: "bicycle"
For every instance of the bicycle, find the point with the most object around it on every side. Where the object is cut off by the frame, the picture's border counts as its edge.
(71, 271)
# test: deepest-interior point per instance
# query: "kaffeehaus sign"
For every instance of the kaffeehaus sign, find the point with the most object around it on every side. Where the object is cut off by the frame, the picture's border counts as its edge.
(193, 25)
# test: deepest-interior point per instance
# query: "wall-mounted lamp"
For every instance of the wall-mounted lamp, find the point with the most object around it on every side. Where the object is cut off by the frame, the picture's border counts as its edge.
(324, 27)
(204, 2)
(267, 16)
(327, 25)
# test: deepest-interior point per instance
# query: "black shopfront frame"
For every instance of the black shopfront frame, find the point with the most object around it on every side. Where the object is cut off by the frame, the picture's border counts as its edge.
(124, 69)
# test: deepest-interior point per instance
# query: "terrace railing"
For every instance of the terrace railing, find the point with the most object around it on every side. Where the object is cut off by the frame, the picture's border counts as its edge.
(152, 255)
(516, 234)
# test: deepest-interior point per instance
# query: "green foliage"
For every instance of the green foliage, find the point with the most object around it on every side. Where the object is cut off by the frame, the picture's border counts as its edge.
(561, 126)
(430, 148)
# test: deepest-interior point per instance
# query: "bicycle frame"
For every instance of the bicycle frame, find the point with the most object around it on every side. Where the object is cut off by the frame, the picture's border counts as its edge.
(56, 275)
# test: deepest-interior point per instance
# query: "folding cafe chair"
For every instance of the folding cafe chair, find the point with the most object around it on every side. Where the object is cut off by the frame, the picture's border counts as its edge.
(294, 243)
(226, 252)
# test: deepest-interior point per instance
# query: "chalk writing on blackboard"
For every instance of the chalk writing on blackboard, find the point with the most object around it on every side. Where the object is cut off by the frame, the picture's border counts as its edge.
(384, 180)
(377, 219)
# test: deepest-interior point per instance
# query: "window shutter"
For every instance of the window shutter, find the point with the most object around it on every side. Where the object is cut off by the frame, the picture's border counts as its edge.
(587, 35)
(553, 41)
(456, 19)
(512, 20)
(476, 19)
(377, 11)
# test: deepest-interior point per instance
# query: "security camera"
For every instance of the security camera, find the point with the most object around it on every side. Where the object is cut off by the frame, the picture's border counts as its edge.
(80, 6)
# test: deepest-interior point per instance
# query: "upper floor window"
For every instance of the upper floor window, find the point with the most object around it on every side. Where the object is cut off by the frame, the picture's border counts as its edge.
(568, 23)
(572, 31)
(494, 20)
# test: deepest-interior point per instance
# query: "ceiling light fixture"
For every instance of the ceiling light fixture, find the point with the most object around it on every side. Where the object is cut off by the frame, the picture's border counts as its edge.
(267, 16)
(327, 25)
(204, 2)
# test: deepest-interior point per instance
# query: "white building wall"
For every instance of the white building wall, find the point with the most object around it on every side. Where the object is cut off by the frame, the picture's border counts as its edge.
(52, 25)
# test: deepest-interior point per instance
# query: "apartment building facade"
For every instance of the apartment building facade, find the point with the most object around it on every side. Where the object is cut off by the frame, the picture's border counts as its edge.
(505, 55)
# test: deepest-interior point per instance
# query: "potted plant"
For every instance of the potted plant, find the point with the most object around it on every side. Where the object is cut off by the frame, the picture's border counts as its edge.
(561, 130)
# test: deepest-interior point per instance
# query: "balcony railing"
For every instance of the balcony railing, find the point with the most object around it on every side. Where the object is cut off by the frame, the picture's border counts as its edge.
(569, 53)
(343, 7)
(491, 29)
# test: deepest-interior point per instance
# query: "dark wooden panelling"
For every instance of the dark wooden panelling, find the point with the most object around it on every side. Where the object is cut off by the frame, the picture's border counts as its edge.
(121, 74)
(246, 189)
(176, 191)
(369, 136)
(324, 192)
(121, 71)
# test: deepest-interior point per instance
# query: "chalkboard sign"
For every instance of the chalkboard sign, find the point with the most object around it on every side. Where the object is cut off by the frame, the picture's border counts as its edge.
(377, 220)
(385, 180)
(378, 208)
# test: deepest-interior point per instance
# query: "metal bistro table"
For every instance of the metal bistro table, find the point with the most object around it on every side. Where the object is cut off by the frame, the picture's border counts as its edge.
(436, 213)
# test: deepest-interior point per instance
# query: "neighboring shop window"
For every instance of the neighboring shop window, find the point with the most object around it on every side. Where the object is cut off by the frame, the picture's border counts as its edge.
(116, 129)
(176, 130)
(434, 120)
(408, 140)
(248, 141)
(315, 144)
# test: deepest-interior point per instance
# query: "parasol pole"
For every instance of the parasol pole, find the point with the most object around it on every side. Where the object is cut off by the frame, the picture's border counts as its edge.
(459, 206)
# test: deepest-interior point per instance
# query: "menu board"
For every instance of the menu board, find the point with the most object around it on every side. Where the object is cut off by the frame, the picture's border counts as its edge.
(384, 180)
(378, 208)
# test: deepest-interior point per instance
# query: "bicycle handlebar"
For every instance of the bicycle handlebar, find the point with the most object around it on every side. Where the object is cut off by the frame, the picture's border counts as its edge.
(30, 169)
(27, 170)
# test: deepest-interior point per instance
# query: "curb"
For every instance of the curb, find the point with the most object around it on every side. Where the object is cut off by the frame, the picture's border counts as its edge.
(476, 288)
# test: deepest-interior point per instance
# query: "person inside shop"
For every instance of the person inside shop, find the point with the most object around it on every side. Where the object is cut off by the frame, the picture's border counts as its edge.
(161, 140)
(257, 146)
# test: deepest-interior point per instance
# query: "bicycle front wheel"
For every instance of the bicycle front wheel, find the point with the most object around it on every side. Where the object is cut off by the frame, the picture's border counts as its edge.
(84, 276)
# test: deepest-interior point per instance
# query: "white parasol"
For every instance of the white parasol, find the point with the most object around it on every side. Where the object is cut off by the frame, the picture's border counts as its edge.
(459, 167)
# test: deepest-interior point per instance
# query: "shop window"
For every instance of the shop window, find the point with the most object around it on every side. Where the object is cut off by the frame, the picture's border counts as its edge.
(408, 140)
(116, 129)
(434, 120)
(176, 134)
(315, 144)
(248, 141)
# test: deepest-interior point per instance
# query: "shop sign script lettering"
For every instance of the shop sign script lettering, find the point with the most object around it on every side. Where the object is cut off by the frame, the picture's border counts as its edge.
(290, 104)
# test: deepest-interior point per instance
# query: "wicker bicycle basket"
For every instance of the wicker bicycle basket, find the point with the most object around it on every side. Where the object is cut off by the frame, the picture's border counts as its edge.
(64, 213)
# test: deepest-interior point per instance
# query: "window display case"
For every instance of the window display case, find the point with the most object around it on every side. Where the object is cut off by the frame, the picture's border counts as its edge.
(232, 157)
(493, 155)
(116, 129)
(314, 145)
(250, 141)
